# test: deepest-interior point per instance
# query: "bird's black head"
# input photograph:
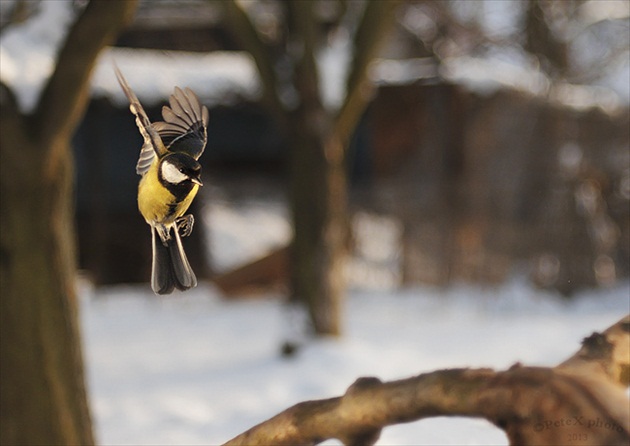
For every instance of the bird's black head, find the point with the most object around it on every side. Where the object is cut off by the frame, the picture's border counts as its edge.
(179, 169)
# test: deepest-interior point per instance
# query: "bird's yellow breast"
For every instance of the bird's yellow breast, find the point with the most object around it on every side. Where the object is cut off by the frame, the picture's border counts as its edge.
(156, 202)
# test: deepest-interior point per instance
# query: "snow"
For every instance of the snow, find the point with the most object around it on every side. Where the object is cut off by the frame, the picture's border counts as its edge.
(217, 77)
(195, 368)
(334, 62)
(243, 231)
(594, 11)
(28, 51)
(487, 75)
(27, 55)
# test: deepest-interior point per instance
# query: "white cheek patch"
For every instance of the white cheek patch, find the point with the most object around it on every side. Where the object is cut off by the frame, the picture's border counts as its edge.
(171, 174)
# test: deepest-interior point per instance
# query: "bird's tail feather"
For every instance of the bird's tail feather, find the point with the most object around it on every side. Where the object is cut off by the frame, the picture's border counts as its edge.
(170, 267)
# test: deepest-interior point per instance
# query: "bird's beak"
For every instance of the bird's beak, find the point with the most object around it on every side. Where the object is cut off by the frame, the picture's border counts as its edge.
(197, 181)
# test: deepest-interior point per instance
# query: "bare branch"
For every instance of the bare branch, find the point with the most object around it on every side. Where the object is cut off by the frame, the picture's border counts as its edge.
(65, 95)
(606, 354)
(302, 25)
(244, 30)
(8, 101)
(532, 405)
(376, 20)
(17, 13)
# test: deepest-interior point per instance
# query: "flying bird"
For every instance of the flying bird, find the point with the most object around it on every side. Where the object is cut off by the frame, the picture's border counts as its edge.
(170, 179)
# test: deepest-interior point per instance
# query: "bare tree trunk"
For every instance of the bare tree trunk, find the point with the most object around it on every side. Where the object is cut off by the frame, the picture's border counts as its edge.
(313, 253)
(318, 165)
(311, 257)
(317, 140)
(582, 400)
(319, 205)
(43, 396)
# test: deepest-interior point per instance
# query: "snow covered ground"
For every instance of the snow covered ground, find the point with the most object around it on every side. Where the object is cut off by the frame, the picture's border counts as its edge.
(195, 368)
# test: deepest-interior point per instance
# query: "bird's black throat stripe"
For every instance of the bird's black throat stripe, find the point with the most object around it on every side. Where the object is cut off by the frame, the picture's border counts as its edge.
(180, 192)
(172, 208)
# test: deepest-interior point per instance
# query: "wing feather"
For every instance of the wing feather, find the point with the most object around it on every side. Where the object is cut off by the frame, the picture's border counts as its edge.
(171, 118)
(153, 144)
(178, 107)
(184, 128)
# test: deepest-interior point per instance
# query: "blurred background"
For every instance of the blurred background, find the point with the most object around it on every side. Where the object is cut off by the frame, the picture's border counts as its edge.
(473, 157)
(495, 143)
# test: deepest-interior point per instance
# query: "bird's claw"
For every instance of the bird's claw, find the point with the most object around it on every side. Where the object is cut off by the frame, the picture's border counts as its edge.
(185, 225)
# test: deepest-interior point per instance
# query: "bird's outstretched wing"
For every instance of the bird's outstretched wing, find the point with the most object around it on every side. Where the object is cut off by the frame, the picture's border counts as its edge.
(184, 128)
(153, 144)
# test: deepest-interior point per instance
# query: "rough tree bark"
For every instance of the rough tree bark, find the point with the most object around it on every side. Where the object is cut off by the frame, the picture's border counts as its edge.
(43, 398)
(317, 139)
(582, 400)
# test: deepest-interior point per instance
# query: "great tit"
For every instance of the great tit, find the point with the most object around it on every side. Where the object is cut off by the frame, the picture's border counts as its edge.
(170, 172)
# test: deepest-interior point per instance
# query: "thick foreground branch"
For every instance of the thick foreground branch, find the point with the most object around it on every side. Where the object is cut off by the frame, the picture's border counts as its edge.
(582, 400)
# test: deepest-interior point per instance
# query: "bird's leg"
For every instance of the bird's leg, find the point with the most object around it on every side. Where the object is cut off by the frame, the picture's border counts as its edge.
(185, 225)
(164, 233)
